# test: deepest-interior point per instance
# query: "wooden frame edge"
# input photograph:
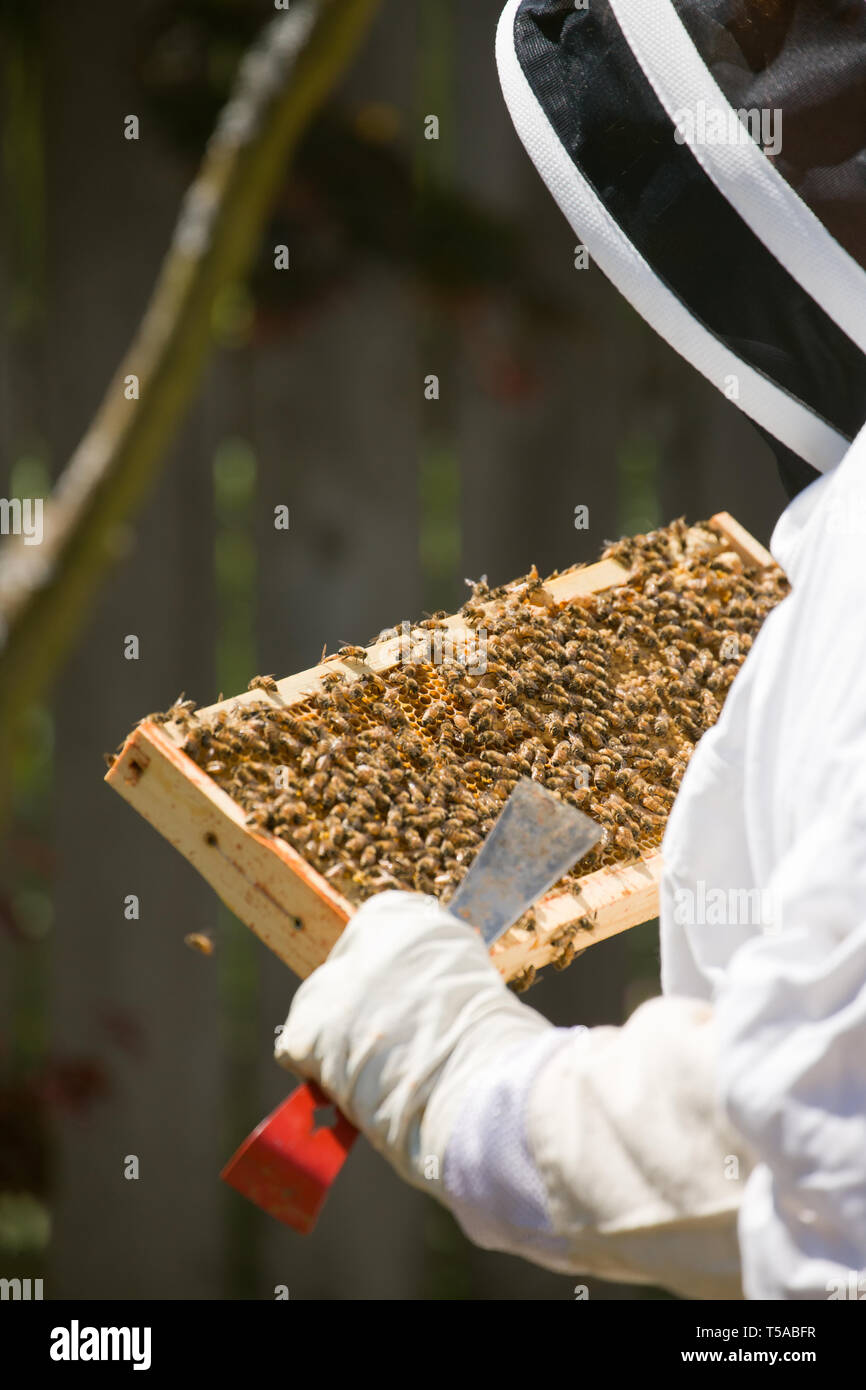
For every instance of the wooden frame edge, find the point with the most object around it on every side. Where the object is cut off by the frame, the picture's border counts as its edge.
(297, 913)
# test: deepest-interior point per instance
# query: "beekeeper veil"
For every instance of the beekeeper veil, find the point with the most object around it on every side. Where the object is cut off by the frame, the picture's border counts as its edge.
(711, 157)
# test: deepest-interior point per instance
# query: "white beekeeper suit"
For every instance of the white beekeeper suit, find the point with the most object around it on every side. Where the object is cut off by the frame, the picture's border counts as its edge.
(716, 1143)
(615, 1151)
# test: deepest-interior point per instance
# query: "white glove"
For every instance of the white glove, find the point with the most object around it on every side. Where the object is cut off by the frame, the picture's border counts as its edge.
(596, 1149)
(399, 1022)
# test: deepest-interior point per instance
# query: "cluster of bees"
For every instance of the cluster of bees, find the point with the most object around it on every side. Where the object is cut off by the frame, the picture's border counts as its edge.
(393, 779)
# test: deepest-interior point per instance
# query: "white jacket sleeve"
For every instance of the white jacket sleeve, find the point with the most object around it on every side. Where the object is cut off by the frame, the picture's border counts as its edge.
(606, 1152)
(773, 809)
(792, 1022)
(587, 1150)
(791, 1008)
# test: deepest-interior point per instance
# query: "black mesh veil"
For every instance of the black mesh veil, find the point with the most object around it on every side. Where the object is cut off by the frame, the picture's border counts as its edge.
(807, 58)
(712, 156)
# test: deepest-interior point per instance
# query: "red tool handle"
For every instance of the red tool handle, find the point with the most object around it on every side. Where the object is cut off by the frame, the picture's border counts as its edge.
(290, 1160)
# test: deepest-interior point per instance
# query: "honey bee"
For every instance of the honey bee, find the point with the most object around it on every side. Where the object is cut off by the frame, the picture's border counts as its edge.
(370, 686)
(566, 954)
(562, 753)
(553, 726)
(473, 613)
(625, 840)
(661, 725)
(480, 710)
(199, 941)
(435, 712)
(525, 684)
(241, 741)
(630, 782)
(298, 728)
(307, 760)
(182, 707)
(591, 666)
(244, 777)
(688, 725)
(268, 683)
(594, 736)
(523, 981)
(635, 702)
(365, 800)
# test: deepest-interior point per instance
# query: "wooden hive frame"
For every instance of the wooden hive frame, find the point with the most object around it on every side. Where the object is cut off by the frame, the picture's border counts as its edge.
(289, 904)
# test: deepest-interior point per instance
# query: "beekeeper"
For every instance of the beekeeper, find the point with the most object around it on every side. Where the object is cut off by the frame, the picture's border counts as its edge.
(716, 1143)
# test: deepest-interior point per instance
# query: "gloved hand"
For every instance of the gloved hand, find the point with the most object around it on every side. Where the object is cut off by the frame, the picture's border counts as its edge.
(401, 1019)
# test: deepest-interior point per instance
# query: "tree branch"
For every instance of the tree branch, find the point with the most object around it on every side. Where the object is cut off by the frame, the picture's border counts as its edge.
(46, 590)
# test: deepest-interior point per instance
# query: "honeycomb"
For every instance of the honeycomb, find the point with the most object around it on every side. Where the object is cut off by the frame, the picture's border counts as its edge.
(393, 779)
